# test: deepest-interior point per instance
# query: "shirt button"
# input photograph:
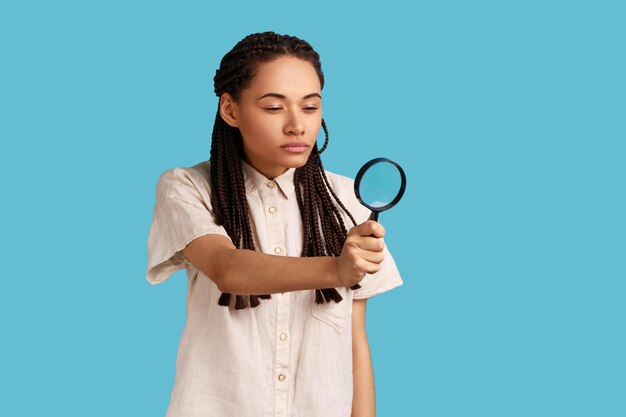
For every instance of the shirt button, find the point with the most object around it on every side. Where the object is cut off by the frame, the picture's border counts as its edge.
(276, 249)
(270, 184)
(281, 377)
(283, 336)
(272, 210)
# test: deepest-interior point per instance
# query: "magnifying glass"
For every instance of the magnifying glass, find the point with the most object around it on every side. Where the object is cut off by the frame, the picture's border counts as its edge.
(379, 185)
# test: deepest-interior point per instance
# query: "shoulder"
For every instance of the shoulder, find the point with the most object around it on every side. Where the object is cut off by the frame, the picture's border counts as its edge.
(180, 181)
(340, 183)
(343, 186)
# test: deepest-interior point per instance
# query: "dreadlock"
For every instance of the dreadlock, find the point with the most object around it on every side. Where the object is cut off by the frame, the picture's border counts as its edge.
(324, 229)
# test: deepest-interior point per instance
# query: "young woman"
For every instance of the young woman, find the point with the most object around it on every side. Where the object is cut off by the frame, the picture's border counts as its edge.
(277, 285)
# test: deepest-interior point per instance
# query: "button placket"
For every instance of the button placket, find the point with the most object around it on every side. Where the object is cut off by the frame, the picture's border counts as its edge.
(282, 369)
(272, 203)
(274, 221)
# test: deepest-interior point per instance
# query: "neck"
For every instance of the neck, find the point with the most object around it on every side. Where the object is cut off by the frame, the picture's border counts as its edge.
(268, 172)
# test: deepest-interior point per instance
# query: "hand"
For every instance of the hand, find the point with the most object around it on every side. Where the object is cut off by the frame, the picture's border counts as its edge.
(362, 253)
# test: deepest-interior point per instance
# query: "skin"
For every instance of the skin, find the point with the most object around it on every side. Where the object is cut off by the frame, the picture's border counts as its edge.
(270, 122)
(263, 130)
(364, 391)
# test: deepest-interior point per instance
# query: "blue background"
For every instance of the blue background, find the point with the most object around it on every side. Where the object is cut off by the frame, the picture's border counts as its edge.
(508, 118)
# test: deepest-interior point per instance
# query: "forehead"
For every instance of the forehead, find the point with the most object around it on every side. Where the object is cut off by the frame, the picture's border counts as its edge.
(290, 76)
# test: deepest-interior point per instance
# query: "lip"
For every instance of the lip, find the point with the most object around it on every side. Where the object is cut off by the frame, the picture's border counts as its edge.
(295, 144)
(295, 147)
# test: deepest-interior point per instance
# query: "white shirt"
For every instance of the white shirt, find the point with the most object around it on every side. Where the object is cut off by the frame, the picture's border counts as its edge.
(289, 356)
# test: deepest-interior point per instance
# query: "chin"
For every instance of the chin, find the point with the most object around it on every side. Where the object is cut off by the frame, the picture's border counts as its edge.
(297, 161)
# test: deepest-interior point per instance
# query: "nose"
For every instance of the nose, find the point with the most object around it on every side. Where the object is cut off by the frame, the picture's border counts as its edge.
(294, 125)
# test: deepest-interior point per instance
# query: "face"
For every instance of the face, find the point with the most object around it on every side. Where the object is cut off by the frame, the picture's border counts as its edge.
(281, 107)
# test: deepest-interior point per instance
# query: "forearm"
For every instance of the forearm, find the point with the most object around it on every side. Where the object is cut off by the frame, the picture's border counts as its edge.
(364, 393)
(250, 272)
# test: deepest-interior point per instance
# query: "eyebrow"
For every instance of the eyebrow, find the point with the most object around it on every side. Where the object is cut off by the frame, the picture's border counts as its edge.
(283, 96)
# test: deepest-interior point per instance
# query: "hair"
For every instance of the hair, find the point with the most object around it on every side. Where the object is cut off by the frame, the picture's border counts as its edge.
(324, 229)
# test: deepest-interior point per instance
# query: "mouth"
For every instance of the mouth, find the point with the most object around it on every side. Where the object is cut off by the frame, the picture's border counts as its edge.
(295, 147)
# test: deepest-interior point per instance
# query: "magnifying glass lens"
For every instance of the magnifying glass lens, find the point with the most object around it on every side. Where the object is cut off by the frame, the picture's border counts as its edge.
(380, 184)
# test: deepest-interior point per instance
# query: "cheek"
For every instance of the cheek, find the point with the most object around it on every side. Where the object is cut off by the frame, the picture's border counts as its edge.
(315, 127)
(316, 121)
(258, 128)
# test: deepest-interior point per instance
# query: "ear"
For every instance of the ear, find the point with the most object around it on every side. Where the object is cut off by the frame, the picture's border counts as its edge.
(229, 110)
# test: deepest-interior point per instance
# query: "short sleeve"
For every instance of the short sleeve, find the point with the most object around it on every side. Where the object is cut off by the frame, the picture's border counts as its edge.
(388, 277)
(182, 213)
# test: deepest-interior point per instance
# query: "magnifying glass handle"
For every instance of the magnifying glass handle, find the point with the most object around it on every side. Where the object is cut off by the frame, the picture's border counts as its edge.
(373, 216)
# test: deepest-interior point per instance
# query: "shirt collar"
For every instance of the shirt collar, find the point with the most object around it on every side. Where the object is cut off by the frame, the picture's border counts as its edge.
(254, 179)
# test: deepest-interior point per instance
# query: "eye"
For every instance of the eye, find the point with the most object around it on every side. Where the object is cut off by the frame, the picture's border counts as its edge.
(273, 108)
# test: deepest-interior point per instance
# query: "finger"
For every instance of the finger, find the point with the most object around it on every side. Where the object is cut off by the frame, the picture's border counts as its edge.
(368, 243)
(373, 257)
(366, 255)
(372, 267)
(373, 228)
(363, 229)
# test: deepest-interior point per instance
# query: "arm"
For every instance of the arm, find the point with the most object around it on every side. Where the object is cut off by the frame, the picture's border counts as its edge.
(364, 396)
(243, 271)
